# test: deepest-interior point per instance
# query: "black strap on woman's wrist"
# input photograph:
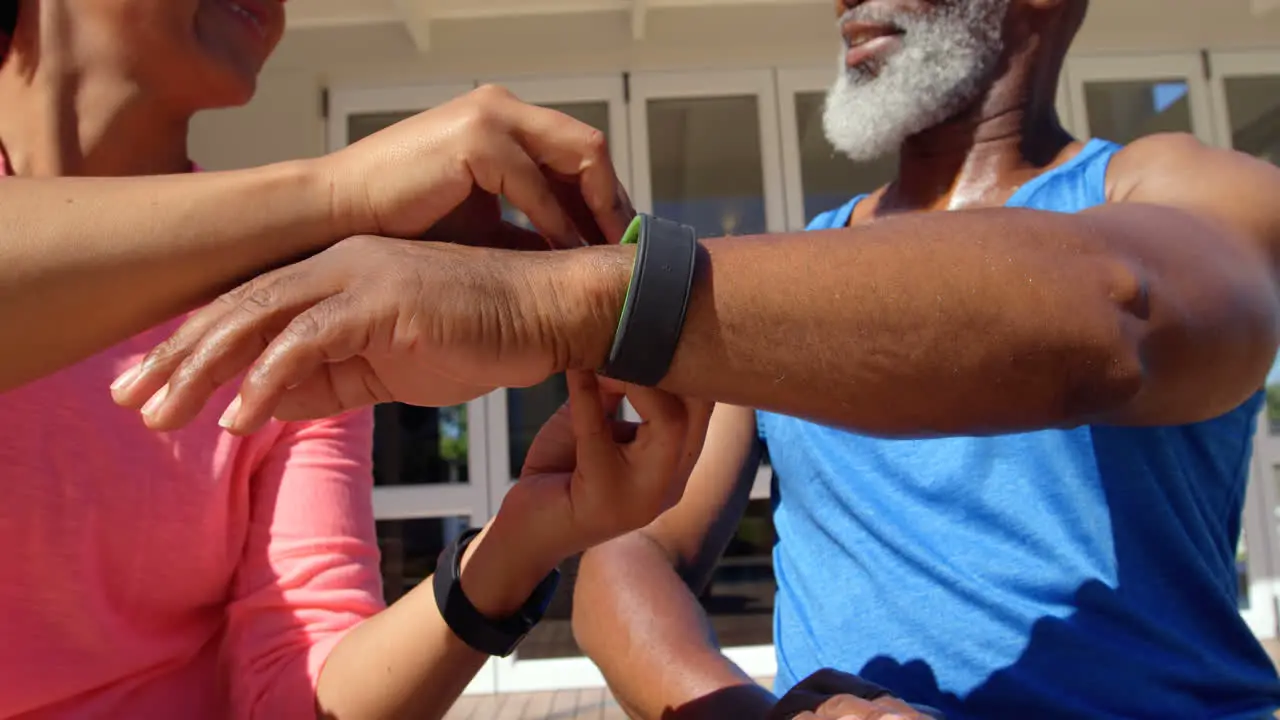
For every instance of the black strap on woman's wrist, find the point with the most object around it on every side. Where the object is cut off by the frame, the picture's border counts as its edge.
(657, 300)
(491, 637)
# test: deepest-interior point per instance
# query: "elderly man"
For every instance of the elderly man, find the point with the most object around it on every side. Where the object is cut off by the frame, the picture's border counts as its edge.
(1081, 570)
(1008, 397)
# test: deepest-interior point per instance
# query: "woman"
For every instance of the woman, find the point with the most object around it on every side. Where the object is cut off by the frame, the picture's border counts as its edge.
(196, 574)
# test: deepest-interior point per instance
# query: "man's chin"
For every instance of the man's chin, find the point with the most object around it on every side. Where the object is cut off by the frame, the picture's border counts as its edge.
(864, 143)
(867, 154)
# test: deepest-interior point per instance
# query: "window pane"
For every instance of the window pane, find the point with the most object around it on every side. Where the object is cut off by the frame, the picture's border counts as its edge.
(1123, 111)
(1253, 103)
(828, 178)
(1254, 106)
(409, 550)
(527, 410)
(419, 446)
(705, 164)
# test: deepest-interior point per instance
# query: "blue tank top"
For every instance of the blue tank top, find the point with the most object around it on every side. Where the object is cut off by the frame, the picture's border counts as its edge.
(1080, 573)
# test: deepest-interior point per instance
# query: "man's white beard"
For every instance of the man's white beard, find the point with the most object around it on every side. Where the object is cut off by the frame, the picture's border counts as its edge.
(946, 56)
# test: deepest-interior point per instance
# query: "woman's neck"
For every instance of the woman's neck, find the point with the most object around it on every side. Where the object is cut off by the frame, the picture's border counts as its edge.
(58, 120)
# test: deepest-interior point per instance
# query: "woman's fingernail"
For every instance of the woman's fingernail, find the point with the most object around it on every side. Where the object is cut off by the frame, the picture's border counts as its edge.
(228, 419)
(126, 378)
(157, 400)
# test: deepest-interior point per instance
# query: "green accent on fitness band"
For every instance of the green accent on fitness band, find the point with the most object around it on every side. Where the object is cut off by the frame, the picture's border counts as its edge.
(657, 300)
(630, 237)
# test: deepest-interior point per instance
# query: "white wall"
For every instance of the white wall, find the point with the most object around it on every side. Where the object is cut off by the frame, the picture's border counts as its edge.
(285, 120)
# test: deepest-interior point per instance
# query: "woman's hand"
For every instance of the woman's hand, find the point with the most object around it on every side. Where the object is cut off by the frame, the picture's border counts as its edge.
(404, 180)
(587, 478)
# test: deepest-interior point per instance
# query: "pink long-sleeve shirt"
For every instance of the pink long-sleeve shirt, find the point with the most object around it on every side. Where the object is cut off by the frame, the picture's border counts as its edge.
(188, 575)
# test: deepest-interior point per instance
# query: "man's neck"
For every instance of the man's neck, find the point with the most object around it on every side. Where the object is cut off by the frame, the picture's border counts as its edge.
(60, 121)
(982, 155)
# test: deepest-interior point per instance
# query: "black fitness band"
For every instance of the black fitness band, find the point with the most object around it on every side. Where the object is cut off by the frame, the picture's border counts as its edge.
(491, 637)
(657, 300)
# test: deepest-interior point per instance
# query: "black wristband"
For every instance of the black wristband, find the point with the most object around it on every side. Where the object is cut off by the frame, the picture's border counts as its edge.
(491, 637)
(657, 300)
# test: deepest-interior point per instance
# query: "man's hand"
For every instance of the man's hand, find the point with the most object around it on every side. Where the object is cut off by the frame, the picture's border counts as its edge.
(374, 320)
(834, 695)
(405, 179)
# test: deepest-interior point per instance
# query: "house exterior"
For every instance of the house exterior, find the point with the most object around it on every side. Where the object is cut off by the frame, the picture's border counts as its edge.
(712, 109)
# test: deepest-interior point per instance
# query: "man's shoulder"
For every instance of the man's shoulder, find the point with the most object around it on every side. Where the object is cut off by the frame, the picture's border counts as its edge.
(1163, 159)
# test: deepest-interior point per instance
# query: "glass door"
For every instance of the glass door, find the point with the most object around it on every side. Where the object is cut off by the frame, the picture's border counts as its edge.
(431, 465)
(706, 151)
(1245, 89)
(549, 659)
(1122, 99)
(818, 178)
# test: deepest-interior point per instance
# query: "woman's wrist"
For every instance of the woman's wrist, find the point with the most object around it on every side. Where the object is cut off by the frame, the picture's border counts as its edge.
(500, 571)
(329, 195)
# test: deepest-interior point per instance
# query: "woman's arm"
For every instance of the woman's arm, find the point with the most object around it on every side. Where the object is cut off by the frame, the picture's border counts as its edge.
(579, 487)
(88, 262)
(305, 634)
(306, 627)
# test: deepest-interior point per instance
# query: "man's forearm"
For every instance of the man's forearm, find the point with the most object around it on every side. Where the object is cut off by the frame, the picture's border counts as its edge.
(640, 623)
(941, 323)
(88, 262)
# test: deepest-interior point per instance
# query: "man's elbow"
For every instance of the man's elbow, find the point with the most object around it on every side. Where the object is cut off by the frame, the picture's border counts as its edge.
(1156, 362)
(1102, 336)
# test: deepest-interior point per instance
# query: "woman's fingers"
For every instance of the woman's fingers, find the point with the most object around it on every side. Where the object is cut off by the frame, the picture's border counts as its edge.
(655, 460)
(502, 167)
(597, 452)
(571, 149)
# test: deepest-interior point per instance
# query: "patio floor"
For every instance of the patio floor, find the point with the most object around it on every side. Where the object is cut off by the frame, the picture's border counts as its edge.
(583, 704)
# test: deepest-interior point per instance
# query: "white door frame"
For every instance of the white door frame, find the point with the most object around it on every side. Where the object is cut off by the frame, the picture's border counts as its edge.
(1185, 67)
(793, 82)
(513, 674)
(674, 85)
(407, 502)
(1263, 497)
(469, 500)
(1259, 527)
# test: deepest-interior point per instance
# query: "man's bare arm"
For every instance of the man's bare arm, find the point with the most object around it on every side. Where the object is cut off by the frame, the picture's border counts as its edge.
(1160, 308)
(637, 618)
(1157, 308)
